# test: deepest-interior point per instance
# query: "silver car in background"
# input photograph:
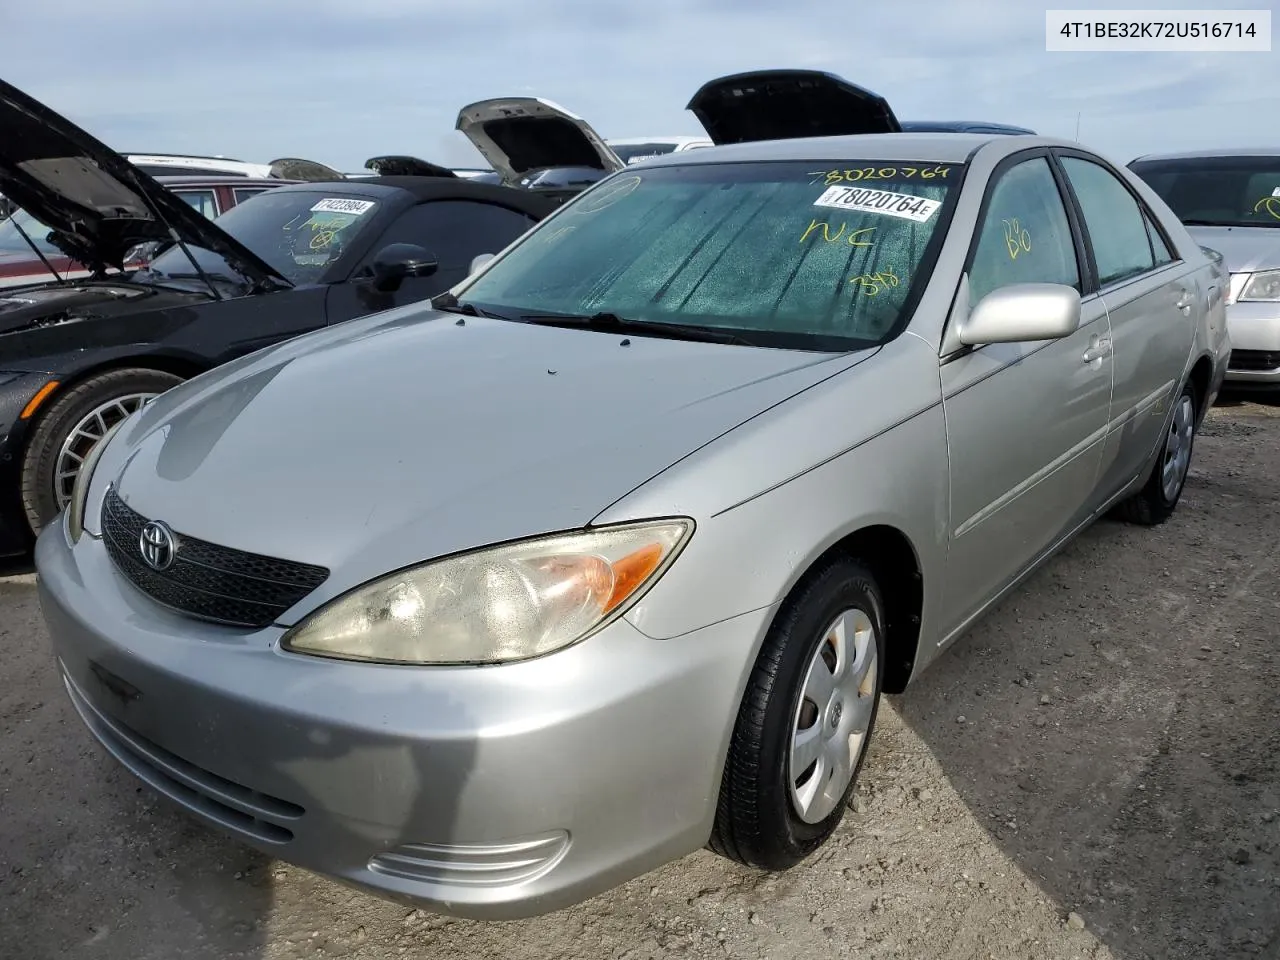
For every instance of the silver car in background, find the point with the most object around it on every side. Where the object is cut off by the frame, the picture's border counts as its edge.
(610, 553)
(1229, 201)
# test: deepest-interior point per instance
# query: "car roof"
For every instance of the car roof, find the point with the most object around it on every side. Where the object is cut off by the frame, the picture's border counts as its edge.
(638, 141)
(1209, 154)
(921, 147)
(427, 188)
(230, 180)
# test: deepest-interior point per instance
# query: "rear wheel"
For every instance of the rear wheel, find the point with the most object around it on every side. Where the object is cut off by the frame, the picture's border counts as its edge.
(805, 721)
(1156, 501)
(71, 427)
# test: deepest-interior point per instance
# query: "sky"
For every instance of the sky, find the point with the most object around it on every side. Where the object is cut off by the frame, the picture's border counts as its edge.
(342, 80)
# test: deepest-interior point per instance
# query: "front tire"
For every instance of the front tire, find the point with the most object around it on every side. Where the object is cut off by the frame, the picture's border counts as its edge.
(1157, 500)
(805, 721)
(71, 427)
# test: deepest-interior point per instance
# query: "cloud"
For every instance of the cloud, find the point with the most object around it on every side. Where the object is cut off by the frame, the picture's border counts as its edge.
(340, 80)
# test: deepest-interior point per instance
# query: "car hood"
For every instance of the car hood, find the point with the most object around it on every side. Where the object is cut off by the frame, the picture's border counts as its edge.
(96, 203)
(410, 435)
(1244, 249)
(786, 104)
(296, 168)
(406, 166)
(518, 135)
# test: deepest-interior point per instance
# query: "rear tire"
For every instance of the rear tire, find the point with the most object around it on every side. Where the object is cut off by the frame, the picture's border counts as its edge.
(1157, 500)
(805, 721)
(67, 431)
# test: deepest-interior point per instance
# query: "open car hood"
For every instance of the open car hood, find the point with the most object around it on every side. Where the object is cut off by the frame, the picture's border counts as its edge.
(518, 135)
(96, 203)
(787, 104)
(294, 168)
(404, 166)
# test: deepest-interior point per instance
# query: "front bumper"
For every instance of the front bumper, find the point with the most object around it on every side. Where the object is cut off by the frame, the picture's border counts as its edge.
(488, 792)
(1255, 345)
(15, 532)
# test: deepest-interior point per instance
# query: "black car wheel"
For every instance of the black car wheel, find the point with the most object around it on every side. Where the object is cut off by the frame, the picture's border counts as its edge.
(805, 721)
(1156, 501)
(70, 428)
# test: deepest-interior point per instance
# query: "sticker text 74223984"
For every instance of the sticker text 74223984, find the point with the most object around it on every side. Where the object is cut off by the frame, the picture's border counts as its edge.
(886, 202)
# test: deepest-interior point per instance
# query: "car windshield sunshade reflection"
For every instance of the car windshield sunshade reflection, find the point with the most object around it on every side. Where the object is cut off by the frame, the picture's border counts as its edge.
(810, 255)
(1217, 191)
(299, 233)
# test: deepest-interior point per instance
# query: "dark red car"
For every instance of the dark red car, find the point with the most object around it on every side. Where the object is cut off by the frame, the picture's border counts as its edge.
(20, 264)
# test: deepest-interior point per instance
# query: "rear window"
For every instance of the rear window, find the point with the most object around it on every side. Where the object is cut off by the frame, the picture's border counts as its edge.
(806, 254)
(1219, 191)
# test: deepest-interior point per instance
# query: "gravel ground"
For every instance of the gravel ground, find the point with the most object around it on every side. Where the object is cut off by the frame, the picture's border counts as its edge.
(1092, 773)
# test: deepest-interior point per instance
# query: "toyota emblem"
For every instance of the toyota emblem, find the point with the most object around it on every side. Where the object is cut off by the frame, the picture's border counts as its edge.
(156, 544)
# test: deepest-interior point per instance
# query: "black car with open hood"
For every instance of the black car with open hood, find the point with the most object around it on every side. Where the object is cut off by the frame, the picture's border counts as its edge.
(78, 356)
(787, 104)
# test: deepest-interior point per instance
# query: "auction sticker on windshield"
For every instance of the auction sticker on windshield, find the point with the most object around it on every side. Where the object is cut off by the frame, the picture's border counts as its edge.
(335, 205)
(869, 200)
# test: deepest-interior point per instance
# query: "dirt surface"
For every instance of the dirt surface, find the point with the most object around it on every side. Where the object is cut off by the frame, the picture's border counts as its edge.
(1094, 772)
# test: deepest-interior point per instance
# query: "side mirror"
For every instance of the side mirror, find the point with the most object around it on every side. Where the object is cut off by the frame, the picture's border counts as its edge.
(1024, 311)
(479, 261)
(396, 262)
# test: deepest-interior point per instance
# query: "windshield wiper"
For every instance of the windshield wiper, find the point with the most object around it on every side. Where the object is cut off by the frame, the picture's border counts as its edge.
(451, 304)
(614, 323)
(200, 276)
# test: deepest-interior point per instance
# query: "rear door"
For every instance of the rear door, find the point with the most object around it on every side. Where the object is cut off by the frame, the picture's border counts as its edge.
(1026, 422)
(1152, 300)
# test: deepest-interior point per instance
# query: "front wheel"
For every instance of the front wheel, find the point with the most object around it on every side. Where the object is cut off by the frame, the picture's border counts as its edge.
(805, 721)
(1156, 501)
(71, 427)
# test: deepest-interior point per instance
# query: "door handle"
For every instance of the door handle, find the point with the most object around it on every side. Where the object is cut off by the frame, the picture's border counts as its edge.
(1097, 350)
(1185, 301)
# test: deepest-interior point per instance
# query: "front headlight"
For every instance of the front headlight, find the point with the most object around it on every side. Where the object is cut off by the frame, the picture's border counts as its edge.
(498, 604)
(1262, 286)
(80, 489)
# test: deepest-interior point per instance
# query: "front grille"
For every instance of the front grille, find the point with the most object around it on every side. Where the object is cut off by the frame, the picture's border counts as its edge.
(205, 580)
(1254, 360)
(257, 815)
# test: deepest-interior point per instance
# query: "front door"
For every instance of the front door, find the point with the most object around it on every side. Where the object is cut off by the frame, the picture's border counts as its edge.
(455, 231)
(1026, 422)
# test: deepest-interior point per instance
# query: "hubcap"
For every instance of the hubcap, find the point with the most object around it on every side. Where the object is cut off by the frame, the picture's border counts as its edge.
(85, 435)
(1177, 448)
(831, 722)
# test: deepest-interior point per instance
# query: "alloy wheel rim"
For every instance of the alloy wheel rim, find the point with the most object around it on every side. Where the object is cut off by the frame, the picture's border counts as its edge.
(833, 718)
(1177, 449)
(86, 435)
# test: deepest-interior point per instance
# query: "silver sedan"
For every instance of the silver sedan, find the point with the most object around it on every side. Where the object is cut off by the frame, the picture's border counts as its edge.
(611, 553)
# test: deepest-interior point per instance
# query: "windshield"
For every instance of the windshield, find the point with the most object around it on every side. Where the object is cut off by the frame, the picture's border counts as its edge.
(1225, 191)
(813, 255)
(298, 232)
(11, 239)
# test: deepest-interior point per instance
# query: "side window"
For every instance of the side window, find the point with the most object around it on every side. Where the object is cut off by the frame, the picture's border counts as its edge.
(244, 193)
(203, 201)
(456, 231)
(1025, 236)
(1159, 248)
(1116, 225)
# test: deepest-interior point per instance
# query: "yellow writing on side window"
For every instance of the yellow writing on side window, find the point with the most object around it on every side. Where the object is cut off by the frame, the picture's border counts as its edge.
(829, 178)
(1016, 238)
(1269, 205)
(872, 283)
(853, 238)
